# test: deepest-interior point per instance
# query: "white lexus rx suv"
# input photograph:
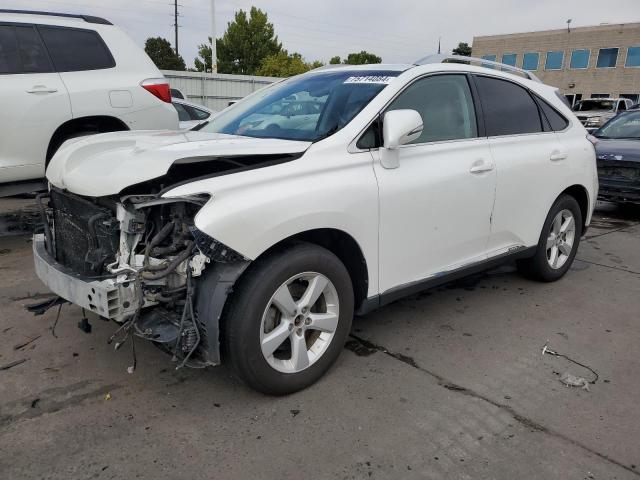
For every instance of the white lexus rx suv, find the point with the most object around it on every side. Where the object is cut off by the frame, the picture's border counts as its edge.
(255, 242)
(63, 76)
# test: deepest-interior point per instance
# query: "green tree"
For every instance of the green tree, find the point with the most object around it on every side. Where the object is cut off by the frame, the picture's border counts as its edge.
(463, 48)
(160, 51)
(243, 47)
(362, 58)
(335, 60)
(284, 64)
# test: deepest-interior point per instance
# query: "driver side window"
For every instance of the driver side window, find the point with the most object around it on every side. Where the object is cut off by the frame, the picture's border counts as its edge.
(445, 104)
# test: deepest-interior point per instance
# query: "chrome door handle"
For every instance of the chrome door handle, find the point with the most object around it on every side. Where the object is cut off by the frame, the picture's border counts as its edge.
(557, 156)
(42, 89)
(480, 166)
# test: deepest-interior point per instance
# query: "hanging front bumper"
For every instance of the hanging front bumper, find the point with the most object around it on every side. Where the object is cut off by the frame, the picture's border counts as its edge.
(111, 298)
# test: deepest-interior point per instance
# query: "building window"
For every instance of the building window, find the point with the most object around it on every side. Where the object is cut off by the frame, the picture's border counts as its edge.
(509, 59)
(600, 95)
(554, 60)
(491, 58)
(634, 97)
(530, 61)
(580, 58)
(607, 58)
(633, 57)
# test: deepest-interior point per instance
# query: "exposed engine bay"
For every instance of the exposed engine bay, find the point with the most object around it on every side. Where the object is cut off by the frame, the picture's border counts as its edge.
(138, 258)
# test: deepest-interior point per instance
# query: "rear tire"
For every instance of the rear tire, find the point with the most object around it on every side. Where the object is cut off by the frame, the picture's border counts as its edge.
(558, 242)
(288, 319)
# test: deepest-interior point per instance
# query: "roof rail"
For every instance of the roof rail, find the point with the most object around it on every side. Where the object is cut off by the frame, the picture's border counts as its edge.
(444, 58)
(86, 18)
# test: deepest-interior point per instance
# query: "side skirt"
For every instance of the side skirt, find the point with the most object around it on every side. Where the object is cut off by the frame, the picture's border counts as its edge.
(401, 291)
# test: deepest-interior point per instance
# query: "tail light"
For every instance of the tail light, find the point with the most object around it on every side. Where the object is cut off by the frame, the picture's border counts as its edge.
(158, 87)
(592, 139)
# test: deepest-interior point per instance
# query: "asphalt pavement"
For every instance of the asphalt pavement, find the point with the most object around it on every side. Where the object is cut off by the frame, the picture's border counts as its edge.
(450, 383)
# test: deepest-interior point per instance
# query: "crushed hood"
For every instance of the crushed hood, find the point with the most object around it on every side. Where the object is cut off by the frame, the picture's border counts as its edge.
(105, 164)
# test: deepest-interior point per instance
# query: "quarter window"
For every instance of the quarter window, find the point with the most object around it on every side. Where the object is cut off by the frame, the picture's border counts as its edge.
(633, 57)
(74, 49)
(580, 58)
(530, 61)
(508, 108)
(554, 60)
(556, 121)
(445, 104)
(607, 58)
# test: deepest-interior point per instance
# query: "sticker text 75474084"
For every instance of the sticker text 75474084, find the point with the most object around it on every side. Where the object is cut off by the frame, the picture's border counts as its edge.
(380, 79)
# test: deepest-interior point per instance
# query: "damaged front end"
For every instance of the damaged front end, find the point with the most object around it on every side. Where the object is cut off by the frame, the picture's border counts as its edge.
(139, 260)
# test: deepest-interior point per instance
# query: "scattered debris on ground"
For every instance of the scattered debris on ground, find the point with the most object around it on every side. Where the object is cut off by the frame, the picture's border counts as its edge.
(572, 381)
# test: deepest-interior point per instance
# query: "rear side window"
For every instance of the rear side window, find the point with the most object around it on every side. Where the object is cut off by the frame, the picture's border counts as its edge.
(508, 108)
(196, 113)
(21, 50)
(9, 57)
(555, 119)
(74, 49)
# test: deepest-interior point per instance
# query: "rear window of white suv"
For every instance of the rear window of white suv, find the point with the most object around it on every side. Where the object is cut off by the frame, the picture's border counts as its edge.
(76, 49)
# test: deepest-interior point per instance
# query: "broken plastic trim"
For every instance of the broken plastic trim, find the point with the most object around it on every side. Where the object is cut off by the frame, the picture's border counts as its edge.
(215, 250)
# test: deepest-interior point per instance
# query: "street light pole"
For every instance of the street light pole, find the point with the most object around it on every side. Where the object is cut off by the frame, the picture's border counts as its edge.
(214, 55)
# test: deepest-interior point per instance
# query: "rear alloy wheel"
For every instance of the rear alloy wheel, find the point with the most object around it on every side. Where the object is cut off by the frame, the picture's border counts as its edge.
(558, 242)
(288, 319)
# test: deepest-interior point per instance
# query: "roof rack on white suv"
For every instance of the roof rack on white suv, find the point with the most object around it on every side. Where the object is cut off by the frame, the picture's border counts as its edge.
(445, 58)
(86, 18)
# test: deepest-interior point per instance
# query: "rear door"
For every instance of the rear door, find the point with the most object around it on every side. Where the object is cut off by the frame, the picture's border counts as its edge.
(33, 100)
(87, 68)
(530, 163)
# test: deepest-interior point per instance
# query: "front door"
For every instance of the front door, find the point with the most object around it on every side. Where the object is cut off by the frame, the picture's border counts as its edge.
(435, 208)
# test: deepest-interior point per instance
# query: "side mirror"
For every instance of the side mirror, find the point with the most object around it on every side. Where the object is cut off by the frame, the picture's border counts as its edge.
(399, 128)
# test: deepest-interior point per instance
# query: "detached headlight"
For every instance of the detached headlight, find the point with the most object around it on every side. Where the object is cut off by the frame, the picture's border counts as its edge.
(593, 121)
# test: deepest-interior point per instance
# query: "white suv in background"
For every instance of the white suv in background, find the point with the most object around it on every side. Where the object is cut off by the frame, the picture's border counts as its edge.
(255, 242)
(64, 76)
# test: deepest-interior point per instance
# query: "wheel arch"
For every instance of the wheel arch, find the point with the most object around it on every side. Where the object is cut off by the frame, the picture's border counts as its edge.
(580, 193)
(343, 246)
(92, 124)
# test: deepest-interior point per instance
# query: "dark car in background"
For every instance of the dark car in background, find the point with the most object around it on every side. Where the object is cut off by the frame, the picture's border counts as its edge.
(618, 156)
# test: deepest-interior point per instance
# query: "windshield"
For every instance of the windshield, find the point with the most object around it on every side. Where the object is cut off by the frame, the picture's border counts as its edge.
(588, 105)
(308, 107)
(625, 125)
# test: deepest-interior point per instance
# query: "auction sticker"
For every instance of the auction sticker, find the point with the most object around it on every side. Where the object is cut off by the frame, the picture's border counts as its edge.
(379, 79)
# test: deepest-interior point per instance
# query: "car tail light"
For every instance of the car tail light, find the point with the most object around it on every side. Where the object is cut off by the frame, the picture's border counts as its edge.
(158, 87)
(592, 139)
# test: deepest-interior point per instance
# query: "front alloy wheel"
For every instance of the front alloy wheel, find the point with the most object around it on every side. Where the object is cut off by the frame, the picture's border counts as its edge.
(300, 322)
(288, 319)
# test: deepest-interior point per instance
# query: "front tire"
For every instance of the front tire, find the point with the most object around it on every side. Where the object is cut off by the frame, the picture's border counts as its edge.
(288, 319)
(558, 242)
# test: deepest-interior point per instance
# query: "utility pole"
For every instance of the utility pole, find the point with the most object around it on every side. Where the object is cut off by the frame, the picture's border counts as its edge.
(175, 22)
(214, 55)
